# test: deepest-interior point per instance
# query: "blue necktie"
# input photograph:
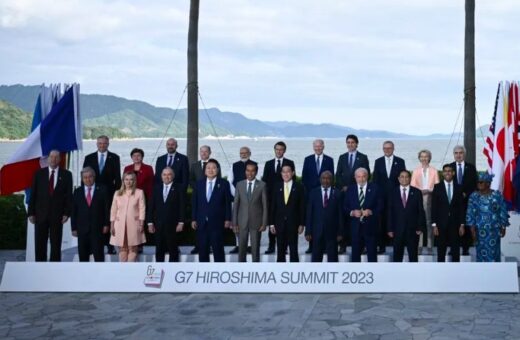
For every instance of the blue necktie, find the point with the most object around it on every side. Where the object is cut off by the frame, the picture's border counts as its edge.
(318, 165)
(210, 190)
(459, 174)
(449, 192)
(351, 161)
(101, 163)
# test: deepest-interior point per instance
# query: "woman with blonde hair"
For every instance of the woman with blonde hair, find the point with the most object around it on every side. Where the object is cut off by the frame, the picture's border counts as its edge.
(424, 178)
(127, 218)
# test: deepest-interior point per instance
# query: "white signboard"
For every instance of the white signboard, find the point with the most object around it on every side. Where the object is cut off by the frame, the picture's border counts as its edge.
(261, 277)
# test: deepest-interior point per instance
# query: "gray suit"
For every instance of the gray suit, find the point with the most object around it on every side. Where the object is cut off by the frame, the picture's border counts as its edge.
(250, 215)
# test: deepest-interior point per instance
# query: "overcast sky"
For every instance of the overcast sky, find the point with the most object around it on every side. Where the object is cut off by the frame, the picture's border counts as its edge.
(394, 65)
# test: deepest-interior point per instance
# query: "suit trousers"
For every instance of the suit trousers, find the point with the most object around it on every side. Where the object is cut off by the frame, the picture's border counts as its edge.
(360, 239)
(448, 238)
(426, 237)
(322, 246)
(91, 244)
(286, 237)
(410, 242)
(246, 234)
(42, 233)
(214, 238)
(166, 242)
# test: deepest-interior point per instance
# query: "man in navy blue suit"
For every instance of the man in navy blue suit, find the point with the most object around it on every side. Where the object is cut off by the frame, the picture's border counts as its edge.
(313, 166)
(175, 160)
(406, 218)
(386, 172)
(324, 219)
(363, 206)
(211, 212)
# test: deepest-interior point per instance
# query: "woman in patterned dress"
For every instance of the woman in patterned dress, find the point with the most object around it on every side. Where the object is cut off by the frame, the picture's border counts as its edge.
(488, 218)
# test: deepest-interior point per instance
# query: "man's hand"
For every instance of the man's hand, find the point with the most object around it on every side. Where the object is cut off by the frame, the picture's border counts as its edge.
(227, 224)
(262, 228)
(308, 238)
(474, 233)
(462, 230)
(236, 229)
(339, 238)
(367, 212)
(151, 228)
(418, 232)
(179, 228)
(32, 219)
(502, 232)
(300, 229)
(64, 219)
(273, 230)
(106, 229)
(194, 225)
(391, 234)
(75, 233)
(356, 213)
(344, 188)
(435, 231)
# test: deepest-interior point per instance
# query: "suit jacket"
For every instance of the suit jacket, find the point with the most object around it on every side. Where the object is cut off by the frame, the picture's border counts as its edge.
(380, 176)
(111, 175)
(126, 212)
(445, 214)
(290, 215)
(90, 220)
(344, 174)
(254, 213)
(212, 214)
(310, 175)
(197, 173)
(144, 178)
(50, 208)
(469, 179)
(405, 221)
(271, 177)
(324, 221)
(180, 166)
(433, 177)
(165, 215)
(373, 201)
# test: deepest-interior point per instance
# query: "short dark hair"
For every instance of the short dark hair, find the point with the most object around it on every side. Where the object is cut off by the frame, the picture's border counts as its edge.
(408, 172)
(448, 165)
(137, 150)
(214, 161)
(290, 165)
(280, 143)
(354, 137)
(252, 164)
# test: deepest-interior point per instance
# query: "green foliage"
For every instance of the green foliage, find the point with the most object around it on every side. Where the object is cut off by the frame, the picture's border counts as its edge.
(92, 132)
(14, 123)
(13, 222)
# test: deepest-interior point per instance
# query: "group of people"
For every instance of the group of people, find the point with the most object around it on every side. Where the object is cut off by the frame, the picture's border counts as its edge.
(330, 204)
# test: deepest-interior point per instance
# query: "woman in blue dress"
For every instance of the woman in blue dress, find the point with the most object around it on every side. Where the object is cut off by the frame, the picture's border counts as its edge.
(488, 218)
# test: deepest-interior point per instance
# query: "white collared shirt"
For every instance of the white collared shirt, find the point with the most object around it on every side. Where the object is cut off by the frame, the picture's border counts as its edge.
(253, 182)
(388, 164)
(276, 163)
(55, 175)
(424, 176)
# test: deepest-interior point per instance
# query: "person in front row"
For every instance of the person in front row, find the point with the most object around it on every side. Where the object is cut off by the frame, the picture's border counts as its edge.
(90, 218)
(448, 215)
(363, 205)
(165, 215)
(287, 214)
(127, 218)
(211, 212)
(324, 221)
(250, 212)
(406, 218)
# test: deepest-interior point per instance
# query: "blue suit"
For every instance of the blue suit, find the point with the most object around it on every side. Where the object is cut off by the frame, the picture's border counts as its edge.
(363, 231)
(210, 217)
(310, 174)
(324, 224)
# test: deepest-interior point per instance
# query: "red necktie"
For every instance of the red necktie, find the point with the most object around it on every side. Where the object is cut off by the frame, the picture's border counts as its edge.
(403, 198)
(51, 183)
(89, 196)
(326, 199)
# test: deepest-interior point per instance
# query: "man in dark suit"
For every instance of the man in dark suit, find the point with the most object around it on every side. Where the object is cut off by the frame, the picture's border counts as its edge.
(324, 219)
(272, 177)
(50, 207)
(448, 215)
(175, 160)
(348, 163)
(165, 215)
(362, 205)
(386, 171)
(287, 214)
(313, 166)
(211, 212)
(107, 166)
(406, 219)
(465, 176)
(90, 219)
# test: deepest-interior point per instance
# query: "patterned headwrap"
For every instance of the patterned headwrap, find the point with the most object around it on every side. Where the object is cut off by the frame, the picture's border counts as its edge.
(485, 177)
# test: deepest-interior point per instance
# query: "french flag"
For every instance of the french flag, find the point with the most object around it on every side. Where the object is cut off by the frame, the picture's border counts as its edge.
(59, 130)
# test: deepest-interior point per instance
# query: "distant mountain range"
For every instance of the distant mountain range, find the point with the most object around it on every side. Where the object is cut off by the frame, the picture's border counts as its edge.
(121, 117)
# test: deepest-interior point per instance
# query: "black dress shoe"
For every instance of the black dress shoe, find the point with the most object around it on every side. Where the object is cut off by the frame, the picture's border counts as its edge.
(269, 250)
(342, 250)
(364, 252)
(308, 251)
(249, 249)
(234, 250)
(194, 251)
(111, 250)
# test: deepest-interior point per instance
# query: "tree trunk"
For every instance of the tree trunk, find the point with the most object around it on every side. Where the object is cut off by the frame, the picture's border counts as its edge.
(469, 83)
(193, 85)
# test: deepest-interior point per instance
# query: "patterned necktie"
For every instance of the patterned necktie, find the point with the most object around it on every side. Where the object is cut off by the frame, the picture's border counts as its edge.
(449, 192)
(51, 183)
(459, 174)
(170, 161)
(165, 193)
(318, 165)
(249, 190)
(89, 196)
(101, 162)
(361, 197)
(326, 198)
(403, 198)
(286, 193)
(278, 166)
(210, 190)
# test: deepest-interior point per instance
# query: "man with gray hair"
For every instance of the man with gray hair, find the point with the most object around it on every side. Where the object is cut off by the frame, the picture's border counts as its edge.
(466, 177)
(90, 219)
(50, 207)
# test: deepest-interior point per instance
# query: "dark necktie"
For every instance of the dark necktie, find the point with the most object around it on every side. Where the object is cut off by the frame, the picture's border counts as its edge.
(89, 196)
(170, 161)
(278, 166)
(318, 165)
(249, 190)
(51, 183)
(351, 161)
(459, 174)
(403, 197)
(326, 198)
(449, 192)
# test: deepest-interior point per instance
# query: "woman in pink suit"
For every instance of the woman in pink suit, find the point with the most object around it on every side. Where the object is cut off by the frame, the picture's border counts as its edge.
(127, 219)
(424, 178)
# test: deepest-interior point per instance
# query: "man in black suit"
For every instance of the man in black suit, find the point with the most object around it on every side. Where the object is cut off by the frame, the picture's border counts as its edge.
(175, 160)
(386, 171)
(348, 163)
(287, 214)
(90, 218)
(406, 219)
(107, 166)
(165, 215)
(448, 215)
(466, 176)
(272, 177)
(50, 207)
